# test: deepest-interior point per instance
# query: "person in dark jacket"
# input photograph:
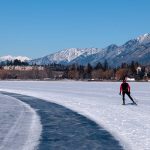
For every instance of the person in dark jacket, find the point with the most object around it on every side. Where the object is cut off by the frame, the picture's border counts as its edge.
(125, 89)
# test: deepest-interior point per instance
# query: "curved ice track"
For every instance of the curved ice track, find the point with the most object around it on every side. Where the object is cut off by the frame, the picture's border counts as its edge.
(64, 129)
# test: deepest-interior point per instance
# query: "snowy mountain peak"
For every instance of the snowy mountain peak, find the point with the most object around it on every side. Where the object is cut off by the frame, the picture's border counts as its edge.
(72, 53)
(65, 56)
(9, 58)
(111, 47)
(144, 38)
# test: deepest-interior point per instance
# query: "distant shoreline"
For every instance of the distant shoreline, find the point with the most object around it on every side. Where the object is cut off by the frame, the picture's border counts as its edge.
(72, 80)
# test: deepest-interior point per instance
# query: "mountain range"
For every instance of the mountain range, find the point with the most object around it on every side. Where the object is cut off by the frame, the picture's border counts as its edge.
(137, 49)
(12, 58)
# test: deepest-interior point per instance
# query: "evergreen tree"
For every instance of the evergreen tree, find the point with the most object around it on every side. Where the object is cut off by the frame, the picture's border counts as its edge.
(98, 66)
(133, 68)
(105, 65)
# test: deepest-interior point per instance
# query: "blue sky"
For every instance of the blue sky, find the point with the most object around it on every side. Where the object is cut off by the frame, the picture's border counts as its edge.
(35, 28)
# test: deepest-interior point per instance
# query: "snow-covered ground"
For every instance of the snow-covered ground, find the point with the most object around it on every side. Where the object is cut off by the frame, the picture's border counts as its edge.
(98, 101)
(19, 125)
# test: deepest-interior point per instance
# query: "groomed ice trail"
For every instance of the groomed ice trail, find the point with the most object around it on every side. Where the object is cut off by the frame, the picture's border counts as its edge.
(100, 102)
(20, 126)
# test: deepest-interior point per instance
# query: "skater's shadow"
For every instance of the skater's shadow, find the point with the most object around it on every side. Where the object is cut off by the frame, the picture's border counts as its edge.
(130, 104)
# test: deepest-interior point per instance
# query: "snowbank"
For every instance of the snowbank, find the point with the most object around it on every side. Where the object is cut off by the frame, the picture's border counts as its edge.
(19, 125)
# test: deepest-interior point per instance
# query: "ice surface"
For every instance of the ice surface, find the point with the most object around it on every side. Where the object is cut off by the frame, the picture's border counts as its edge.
(100, 102)
(65, 129)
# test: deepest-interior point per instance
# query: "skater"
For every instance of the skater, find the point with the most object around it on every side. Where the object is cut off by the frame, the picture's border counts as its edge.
(125, 89)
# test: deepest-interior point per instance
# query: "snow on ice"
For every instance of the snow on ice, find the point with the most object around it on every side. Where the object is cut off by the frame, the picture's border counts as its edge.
(98, 101)
(20, 127)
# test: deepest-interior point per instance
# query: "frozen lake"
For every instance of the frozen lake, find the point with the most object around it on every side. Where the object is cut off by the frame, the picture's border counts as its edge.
(67, 130)
(100, 102)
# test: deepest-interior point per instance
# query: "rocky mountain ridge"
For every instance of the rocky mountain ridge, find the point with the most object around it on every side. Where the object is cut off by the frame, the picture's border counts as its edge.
(137, 49)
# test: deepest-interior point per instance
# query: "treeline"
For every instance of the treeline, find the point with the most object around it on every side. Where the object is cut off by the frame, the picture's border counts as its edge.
(104, 71)
(15, 62)
(101, 71)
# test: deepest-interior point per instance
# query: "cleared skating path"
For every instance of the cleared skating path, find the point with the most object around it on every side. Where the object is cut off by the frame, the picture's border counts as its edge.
(64, 129)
